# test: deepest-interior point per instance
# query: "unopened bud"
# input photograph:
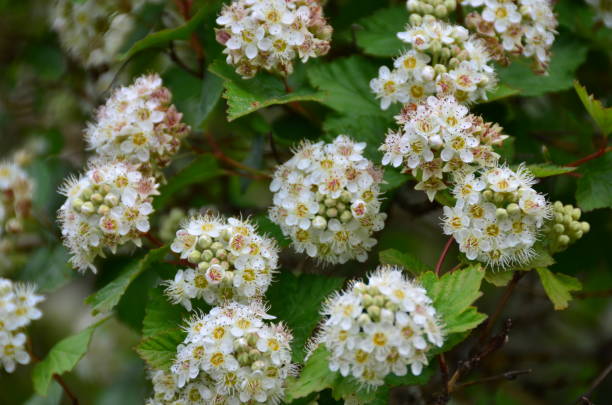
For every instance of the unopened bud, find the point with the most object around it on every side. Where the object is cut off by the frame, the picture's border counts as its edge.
(331, 212)
(204, 241)
(576, 213)
(87, 208)
(559, 228)
(346, 216)
(513, 209)
(207, 255)
(103, 209)
(194, 257)
(585, 226)
(564, 240)
(428, 73)
(415, 19)
(319, 222)
(441, 11)
(330, 202)
(111, 199)
(501, 213)
(97, 198)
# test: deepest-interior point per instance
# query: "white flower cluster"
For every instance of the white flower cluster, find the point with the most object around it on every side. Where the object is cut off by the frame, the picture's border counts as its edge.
(439, 137)
(270, 34)
(518, 27)
(230, 356)
(437, 8)
(106, 207)
(15, 197)
(380, 327)
(232, 262)
(93, 31)
(497, 216)
(17, 309)
(138, 125)
(443, 60)
(603, 10)
(326, 200)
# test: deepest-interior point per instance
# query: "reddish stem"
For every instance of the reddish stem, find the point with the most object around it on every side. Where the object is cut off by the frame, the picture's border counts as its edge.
(218, 153)
(602, 151)
(443, 255)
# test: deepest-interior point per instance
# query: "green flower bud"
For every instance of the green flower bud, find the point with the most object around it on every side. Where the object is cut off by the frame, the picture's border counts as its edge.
(513, 209)
(441, 11)
(322, 209)
(111, 200)
(87, 208)
(194, 257)
(221, 254)
(77, 203)
(374, 312)
(330, 202)
(364, 319)
(207, 255)
(576, 213)
(340, 206)
(331, 212)
(501, 213)
(103, 209)
(203, 266)
(415, 19)
(243, 359)
(428, 9)
(487, 195)
(97, 198)
(578, 234)
(216, 246)
(559, 228)
(575, 226)
(319, 222)
(451, 5)
(585, 226)
(558, 206)
(346, 216)
(258, 365)
(204, 241)
(563, 240)
(379, 300)
(367, 300)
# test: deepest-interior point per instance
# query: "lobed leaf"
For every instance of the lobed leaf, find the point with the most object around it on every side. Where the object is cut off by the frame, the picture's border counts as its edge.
(159, 350)
(377, 33)
(160, 314)
(405, 260)
(246, 96)
(594, 188)
(558, 287)
(547, 169)
(63, 357)
(600, 114)
(105, 299)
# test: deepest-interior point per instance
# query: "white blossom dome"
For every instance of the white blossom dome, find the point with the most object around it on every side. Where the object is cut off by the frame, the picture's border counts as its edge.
(442, 60)
(438, 137)
(16, 189)
(497, 216)
(138, 125)
(515, 27)
(18, 303)
(230, 356)
(231, 261)
(105, 208)
(270, 34)
(379, 327)
(326, 200)
(93, 31)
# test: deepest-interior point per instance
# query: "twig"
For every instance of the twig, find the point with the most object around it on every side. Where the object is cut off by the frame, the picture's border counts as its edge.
(584, 398)
(592, 294)
(602, 151)
(218, 153)
(500, 306)
(444, 372)
(175, 58)
(153, 239)
(443, 255)
(273, 147)
(508, 375)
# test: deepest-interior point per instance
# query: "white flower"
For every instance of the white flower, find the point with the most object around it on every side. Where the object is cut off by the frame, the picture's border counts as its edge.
(380, 327)
(17, 309)
(438, 137)
(105, 208)
(270, 34)
(217, 364)
(138, 125)
(498, 215)
(231, 261)
(16, 190)
(462, 66)
(326, 200)
(515, 27)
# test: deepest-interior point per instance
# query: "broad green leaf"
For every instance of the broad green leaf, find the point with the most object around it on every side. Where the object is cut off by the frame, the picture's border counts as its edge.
(201, 169)
(53, 397)
(160, 314)
(246, 96)
(62, 358)
(393, 179)
(159, 350)
(106, 298)
(315, 376)
(453, 295)
(266, 226)
(595, 186)
(600, 114)
(345, 83)
(498, 278)
(500, 92)
(48, 267)
(567, 55)
(406, 260)
(361, 128)
(541, 258)
(160, 39)
(377, 34)
(547, 170)
(297, 301)
(212, 87)
(558, 287)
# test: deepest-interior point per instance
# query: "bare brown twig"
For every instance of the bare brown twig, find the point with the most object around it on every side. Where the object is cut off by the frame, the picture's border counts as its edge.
(584, 398)
(443, 255)
(600, 152)
(218, 153)
(508, 375)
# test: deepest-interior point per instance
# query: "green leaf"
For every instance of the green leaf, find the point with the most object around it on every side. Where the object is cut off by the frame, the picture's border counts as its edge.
(595, 186)
(201, 169)
(297, 301)
(547, 169)
(453, 295)
(62, 358)
(500, 92)
(212, 87)
(267, 227)
(53, 397)
(567, 55)
(314, 377)
(498, 278)
(600, 114)
(160, 314)
(406, 260)
(361, 128)
(48, 267)
(541, 258)
(393, 179)
(345, 83)
(558, 287)
(159, 350)
(377, 35)
(246, 96)
(160, 39)
(106, 298)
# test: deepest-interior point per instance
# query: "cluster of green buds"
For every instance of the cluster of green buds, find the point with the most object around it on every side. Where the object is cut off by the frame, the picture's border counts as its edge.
(332, 208)
(372, 301)
(564, 228)
(437, 8)
(95, 199)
